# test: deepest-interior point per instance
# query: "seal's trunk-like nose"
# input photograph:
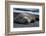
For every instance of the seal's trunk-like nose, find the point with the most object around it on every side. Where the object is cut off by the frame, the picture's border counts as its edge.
(30, 18)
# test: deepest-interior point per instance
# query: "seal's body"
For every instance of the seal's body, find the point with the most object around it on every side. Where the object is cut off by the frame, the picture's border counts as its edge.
(24, 19)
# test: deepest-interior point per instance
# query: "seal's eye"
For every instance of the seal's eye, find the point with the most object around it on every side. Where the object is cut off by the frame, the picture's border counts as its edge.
(32, 21)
